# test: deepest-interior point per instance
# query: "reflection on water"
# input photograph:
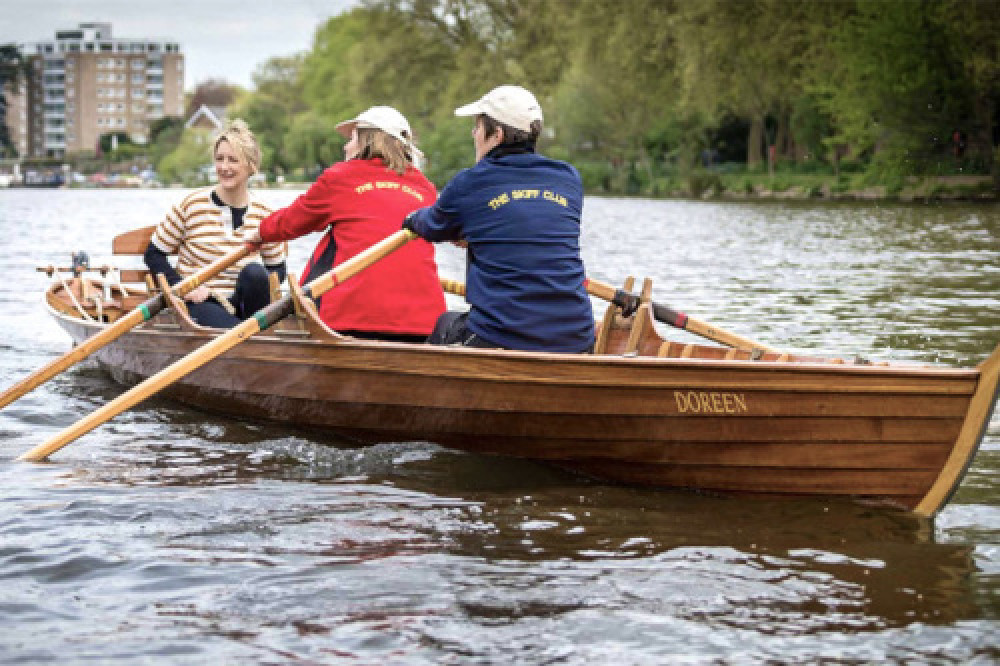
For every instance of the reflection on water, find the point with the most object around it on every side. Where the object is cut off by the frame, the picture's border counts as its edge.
(175, 535)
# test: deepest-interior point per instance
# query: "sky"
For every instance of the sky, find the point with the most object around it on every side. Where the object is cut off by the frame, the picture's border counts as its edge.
(220, 39)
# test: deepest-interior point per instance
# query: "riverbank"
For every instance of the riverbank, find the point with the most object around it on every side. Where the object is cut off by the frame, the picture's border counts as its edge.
(803, 187)
(709, 185)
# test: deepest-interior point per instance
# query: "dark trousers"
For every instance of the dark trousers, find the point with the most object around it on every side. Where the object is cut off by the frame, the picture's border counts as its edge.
(253, 292)
(452, 328)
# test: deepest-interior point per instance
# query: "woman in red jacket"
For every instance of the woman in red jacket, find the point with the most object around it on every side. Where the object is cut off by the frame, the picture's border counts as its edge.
(359, 202)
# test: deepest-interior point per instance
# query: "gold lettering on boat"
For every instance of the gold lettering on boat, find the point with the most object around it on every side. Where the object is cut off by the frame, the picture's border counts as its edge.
(710, 402)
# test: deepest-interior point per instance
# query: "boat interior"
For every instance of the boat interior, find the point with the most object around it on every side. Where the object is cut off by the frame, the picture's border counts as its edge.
(105, 293)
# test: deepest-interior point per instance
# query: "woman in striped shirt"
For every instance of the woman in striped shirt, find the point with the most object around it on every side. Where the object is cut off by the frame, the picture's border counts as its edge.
(212, 222)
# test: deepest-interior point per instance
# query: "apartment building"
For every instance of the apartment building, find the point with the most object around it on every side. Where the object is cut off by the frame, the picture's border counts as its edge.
(86, 83)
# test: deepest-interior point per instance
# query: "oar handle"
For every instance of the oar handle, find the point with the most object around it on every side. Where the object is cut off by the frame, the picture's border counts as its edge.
(630, 302)
(262, 320)
(453, 286)
(195, 280)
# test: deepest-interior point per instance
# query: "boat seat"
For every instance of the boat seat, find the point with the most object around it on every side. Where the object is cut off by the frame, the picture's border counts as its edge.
(642, 321)
(610, 330)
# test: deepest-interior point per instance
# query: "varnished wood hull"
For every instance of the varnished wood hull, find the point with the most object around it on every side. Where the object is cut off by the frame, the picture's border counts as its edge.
(896, 435)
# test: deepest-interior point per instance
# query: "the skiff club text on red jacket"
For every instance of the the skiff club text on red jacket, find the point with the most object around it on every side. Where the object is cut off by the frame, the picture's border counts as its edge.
(358, 203)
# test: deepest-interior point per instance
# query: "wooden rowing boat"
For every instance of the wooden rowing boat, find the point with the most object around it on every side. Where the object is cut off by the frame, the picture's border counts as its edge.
(640, 410)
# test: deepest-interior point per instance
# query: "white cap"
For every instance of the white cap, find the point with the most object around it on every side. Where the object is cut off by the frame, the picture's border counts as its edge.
(387, 119)
(510, 105)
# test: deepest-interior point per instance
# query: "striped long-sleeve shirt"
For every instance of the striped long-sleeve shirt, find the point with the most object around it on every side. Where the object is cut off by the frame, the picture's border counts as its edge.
(200, 232)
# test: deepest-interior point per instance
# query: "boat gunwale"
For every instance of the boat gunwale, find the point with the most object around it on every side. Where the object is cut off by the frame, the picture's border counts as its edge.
(895, 368)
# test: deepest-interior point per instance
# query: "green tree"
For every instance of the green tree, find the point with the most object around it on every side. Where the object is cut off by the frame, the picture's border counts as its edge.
(190, 161)
(615, 102)
(270, 108)
(894, 85)
(312, 141)
(746, 58)
(12, 70)
(974, 30)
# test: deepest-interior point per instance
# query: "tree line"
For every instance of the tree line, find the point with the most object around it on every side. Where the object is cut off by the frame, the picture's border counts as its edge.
(643, 93)
(636, 93)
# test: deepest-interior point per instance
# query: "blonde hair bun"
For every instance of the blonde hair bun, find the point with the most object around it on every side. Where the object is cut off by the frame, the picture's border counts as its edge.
(238, 134)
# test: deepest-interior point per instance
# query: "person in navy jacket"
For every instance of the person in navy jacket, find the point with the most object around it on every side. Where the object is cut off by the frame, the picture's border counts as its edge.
(518, 213)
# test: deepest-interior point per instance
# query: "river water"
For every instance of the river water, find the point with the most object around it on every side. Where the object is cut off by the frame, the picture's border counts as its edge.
(174, 536)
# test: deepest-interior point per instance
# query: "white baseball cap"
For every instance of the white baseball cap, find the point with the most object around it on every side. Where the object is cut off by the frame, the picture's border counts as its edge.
(510, 105)
(384, 118)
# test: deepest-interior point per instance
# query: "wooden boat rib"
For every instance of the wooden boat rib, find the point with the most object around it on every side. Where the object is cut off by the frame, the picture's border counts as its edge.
(642, 410)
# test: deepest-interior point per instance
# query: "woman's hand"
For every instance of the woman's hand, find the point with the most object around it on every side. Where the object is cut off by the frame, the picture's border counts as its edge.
(253, 239)
(199, 294)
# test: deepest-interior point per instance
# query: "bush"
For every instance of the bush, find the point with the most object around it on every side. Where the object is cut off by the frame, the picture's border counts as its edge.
(700, 182)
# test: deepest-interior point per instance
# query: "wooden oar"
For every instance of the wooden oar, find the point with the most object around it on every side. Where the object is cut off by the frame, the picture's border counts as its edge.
(628, 302)
(262, 320)
(142, 313)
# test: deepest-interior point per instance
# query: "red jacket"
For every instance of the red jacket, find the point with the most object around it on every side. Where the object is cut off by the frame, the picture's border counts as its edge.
(360, 202)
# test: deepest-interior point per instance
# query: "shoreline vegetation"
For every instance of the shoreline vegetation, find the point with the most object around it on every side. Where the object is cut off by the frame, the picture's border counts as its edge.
(758, 99)
(713, 186)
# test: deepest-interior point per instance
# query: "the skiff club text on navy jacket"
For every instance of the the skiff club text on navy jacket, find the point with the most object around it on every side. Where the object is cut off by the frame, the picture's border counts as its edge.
(520, 214)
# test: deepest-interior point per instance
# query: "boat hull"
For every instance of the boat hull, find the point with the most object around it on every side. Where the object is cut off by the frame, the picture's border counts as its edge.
(883, 433)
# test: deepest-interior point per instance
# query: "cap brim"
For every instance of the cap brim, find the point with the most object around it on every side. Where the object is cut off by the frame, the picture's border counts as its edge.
(345, 128)
(473, 109)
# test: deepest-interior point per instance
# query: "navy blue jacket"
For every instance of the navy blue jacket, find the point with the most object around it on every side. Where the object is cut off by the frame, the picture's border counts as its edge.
(520, 214)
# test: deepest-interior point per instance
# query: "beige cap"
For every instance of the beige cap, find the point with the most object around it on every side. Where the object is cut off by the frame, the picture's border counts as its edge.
(384, 118)
(510, 105)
